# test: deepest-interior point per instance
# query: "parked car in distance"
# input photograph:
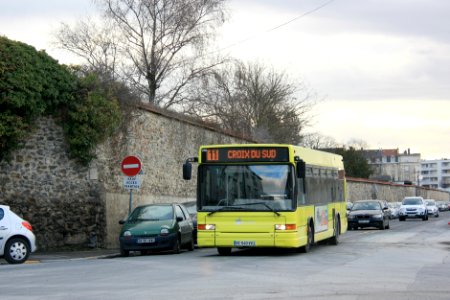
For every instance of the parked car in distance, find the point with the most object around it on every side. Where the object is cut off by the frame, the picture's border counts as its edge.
(442, 205)
(157, 227)
(413, 207)
(192, 209)
(394, 207)
(433, 210)
(17, 240)
(368, 213)
(349, 206)
(385, 206)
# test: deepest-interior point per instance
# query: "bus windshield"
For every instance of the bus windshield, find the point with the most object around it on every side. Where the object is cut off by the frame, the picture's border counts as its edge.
(246, 187)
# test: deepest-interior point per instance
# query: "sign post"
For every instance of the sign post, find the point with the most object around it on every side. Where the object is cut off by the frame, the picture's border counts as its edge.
(131, 166)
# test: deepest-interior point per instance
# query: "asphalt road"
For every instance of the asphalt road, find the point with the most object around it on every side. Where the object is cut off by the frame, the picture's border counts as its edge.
(409, 261)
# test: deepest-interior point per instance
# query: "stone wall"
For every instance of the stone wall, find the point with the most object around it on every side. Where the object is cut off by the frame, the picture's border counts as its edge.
(42, 185)
(359, 189)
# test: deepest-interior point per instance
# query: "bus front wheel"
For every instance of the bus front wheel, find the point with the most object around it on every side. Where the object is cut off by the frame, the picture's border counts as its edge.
(309, 242)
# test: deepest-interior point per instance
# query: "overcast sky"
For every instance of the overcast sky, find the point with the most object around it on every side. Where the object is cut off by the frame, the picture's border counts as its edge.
(382, 67)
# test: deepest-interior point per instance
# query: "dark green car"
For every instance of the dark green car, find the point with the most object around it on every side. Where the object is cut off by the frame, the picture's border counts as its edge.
(157, 227)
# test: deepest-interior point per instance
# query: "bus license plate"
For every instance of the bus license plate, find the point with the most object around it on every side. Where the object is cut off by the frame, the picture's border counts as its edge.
(244, 243)
(146, 241)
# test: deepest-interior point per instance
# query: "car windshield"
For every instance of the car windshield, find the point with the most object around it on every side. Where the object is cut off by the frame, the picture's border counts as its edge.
(152, 213)
(412, 201)
(366, 206)
(246, 187)
(191, 207)
(431, 203)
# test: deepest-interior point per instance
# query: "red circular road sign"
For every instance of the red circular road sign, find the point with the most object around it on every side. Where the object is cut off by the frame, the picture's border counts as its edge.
(131, 166)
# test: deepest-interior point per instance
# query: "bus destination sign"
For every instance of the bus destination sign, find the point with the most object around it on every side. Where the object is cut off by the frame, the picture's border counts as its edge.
(253, 154)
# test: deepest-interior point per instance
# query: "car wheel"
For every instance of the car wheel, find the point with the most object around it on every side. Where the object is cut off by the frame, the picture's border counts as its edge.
(124, 253)
(176, 246)
(224, 251)
(191, 245)
(17, 251)
(309, 241)
(437, 215)
(382, 226)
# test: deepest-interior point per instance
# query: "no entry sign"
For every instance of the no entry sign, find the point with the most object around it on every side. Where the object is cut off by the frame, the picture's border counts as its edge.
(131, 166)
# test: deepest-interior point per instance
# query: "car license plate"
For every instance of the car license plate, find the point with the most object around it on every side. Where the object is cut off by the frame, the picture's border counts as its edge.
(146, 241)
(244, 243)
(363, 221)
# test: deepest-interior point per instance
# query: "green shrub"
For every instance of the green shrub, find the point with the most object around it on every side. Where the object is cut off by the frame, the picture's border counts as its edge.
(33, 84)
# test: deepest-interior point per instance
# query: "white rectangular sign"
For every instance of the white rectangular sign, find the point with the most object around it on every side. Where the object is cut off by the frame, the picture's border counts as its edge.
(131, 182)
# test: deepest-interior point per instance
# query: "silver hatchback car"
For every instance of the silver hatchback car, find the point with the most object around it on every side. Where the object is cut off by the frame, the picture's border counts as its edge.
(17, 240)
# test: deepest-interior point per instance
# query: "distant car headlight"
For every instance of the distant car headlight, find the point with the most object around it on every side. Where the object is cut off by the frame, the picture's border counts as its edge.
(127, 233)
(420, 209)
(351, 217)
(380, 216)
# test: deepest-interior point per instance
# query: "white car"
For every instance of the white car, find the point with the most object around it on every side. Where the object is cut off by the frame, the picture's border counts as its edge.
(413, 207)
(433, 210)
(17, 239)
(394, 207)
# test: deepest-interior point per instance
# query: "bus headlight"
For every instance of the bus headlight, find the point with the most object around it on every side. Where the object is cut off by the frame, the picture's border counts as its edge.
(285, 226)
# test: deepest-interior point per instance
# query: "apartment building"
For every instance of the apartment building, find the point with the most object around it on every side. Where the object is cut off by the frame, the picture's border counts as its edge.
(394, 166)
(435, 174)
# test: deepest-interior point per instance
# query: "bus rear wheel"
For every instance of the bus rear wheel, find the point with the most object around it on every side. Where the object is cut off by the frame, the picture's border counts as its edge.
(224, 251)
(337, 230)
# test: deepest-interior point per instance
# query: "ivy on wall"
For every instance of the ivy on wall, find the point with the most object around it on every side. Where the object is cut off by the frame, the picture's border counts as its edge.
(33, 84)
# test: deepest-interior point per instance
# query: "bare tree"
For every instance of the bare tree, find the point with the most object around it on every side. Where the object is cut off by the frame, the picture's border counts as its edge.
(316, 140)
(357, 144)
(254, 100)
(160, 44)
(97, 44)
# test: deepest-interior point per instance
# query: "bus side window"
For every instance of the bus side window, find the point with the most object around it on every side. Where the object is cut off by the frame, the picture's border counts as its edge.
(301, 192)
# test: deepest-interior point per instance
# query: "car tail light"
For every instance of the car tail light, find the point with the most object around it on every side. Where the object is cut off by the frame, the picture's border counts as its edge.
(27, 225)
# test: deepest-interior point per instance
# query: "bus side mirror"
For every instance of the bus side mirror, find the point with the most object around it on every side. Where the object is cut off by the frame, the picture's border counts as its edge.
(301, 169)
(187, 171)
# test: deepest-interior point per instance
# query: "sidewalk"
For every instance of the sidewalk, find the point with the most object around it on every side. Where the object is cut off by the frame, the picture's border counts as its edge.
(54, 256)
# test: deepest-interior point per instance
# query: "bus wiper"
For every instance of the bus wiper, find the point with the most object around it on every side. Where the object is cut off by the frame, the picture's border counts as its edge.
(226, 208)
(265, 204)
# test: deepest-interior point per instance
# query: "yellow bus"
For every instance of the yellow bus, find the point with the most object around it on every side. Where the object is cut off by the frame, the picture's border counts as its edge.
(268, 195)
